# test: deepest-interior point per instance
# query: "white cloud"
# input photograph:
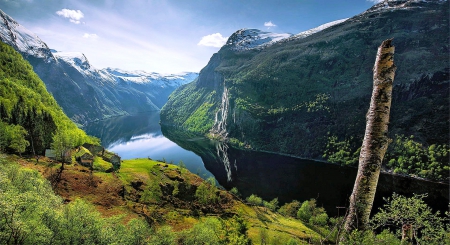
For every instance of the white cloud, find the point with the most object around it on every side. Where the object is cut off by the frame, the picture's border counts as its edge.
(213, 40)
(92, 36)
(73, 15)
(269, 24)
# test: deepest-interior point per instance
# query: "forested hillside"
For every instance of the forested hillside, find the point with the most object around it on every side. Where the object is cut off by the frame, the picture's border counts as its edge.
(308, 96)
(30, 116)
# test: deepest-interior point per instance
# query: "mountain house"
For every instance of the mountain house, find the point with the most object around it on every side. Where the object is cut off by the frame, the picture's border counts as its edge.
(84, 157)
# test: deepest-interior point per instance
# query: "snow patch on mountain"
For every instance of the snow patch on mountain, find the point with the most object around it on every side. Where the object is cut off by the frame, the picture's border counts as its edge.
(389, 5)
(17, 36)
(246, 39)
(318, 29)
(151, 78)
(79, 62)
(76, 59)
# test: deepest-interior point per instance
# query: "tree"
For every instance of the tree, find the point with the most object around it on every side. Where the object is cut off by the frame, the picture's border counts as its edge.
(17, 136)
(163, 236)
(139, 232)
(309, 212)
(206, 192)
(272, 205)
(81, 224)
(26, 200)
(306, 210)
(375, 140)
(290, 209)
(61, 144)
(255, 200)
(4, 135)
(413, 218)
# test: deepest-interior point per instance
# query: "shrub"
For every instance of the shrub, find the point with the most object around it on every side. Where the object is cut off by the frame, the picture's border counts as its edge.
(206, 192)
(290, 209)
(254, 200)
(272, 205)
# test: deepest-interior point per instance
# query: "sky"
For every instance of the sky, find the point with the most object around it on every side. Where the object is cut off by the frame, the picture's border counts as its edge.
(165, 36)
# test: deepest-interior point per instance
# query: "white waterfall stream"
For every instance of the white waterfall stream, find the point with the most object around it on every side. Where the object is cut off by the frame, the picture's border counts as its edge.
(220, 121)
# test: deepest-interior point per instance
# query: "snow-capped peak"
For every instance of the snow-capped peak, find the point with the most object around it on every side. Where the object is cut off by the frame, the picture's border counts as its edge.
(14, 34)
(246, 39)
(131, 74)
(388, 5)
(143, 77)
(76, 59)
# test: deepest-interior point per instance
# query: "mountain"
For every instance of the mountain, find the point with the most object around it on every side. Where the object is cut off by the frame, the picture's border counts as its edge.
(246, 39)
(84, 92)
(302, 94)
(121, 92)
(29, 116)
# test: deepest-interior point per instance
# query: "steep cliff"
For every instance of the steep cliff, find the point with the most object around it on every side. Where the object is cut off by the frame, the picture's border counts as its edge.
(291, 95)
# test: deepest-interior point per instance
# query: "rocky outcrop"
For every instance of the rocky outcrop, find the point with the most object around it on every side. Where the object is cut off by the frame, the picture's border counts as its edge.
(209, 77)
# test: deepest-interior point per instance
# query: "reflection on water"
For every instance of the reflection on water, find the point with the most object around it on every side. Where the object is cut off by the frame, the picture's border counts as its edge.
(140, 136)
(271, 175)
(222, 154)
(264, 174)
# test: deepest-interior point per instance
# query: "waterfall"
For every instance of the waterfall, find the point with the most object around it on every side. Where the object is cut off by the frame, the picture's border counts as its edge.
(220, 121)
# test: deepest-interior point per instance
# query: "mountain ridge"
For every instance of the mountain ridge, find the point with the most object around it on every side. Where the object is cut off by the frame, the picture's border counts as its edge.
(293, 96)
(84, 92)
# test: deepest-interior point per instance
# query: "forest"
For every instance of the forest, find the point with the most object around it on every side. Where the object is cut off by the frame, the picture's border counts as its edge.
(30, 118)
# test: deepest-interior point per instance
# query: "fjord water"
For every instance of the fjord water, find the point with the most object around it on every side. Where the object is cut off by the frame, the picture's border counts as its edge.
(265, 174)
(140, 136)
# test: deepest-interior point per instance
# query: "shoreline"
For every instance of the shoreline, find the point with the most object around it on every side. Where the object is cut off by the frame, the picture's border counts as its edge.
(114, 116)
(219, 139)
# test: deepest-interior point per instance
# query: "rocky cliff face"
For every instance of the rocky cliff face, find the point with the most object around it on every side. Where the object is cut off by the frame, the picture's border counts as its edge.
(292, 95)
(84, 92)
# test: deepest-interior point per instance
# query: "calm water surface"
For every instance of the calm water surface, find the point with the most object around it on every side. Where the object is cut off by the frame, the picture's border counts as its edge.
(267, 175)
(140, 136)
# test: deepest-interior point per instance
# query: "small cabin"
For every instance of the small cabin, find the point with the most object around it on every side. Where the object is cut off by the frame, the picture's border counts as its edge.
(50, 154)
(84, 157)
(94, 149)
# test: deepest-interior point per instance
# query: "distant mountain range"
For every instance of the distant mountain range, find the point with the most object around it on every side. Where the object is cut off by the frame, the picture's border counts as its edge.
(294, 93)
(84, 92)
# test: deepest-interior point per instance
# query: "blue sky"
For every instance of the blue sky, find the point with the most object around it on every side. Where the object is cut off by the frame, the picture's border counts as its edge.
(165, 36)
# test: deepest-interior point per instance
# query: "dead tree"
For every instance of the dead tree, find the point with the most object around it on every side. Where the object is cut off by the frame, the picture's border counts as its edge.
(375, 140)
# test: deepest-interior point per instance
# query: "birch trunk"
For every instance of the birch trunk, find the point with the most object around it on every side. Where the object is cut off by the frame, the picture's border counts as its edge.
(375, 140)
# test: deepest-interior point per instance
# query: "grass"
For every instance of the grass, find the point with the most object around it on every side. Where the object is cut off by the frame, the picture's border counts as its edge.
(279, 228)
(140, 168)
(103, 190)
(101, 165)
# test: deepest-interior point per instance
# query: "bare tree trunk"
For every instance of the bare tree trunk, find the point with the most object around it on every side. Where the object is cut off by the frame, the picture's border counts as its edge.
(375, 140)
(407, 234)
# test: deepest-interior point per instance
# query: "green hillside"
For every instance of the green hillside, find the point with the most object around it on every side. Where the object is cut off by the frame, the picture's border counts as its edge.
(29, 115)
(308, 97)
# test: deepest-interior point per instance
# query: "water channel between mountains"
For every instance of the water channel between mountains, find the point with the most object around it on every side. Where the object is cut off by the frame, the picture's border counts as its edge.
(265, 174)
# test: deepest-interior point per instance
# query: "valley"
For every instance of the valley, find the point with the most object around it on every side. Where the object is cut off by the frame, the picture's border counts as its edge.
(259, 147)
(251, 172)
